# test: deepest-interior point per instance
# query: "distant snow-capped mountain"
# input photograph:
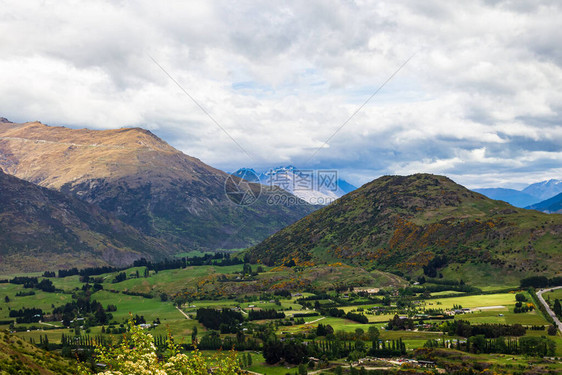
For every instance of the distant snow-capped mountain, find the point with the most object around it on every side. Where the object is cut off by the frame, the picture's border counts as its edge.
(313, 186)
(530, 196)
(545, 189)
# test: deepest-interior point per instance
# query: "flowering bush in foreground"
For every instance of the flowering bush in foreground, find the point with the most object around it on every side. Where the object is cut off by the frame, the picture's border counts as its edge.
(137, 356)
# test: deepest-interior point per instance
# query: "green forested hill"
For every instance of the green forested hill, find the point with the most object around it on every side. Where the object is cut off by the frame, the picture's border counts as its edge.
(403, 223)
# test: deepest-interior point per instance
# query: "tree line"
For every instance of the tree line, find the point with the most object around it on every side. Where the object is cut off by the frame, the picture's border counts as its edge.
(339, 313)
(488, 330)
(540, 282)
(45, 285)
(527, 345)
(218, 259)
(225, 320)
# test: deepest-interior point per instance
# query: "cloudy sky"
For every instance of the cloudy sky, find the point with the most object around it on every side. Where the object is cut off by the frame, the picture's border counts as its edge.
(480, 99)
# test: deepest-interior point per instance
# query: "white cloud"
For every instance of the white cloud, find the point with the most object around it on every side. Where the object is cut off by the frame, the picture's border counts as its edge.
(282, 77)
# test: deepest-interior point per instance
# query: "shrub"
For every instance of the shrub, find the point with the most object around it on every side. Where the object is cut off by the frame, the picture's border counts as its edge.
(137, 355)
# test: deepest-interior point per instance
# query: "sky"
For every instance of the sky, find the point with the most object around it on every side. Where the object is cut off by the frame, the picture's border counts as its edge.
(471, 90)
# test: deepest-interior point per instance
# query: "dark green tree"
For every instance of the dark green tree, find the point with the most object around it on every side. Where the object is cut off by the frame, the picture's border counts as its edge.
(373, 333)
(194, 335)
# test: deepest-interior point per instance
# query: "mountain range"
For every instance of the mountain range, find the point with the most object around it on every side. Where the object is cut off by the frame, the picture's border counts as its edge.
(421, 223)
(544, 189)
(552, 205)
(144, 183)
(529, 196)
(79, 197)
(317, 187)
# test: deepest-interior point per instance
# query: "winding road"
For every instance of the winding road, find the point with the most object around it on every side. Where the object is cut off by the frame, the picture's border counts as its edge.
(548, 309)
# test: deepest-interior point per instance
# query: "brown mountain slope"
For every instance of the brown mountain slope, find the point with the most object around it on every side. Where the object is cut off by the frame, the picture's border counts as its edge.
(57, 156)
(42, 229)
(402, 223)
(144, 182)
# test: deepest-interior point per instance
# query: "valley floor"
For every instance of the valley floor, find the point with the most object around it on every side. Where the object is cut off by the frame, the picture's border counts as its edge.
(168, 302)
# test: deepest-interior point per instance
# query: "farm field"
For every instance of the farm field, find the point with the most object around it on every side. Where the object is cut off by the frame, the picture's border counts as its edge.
(472, 302)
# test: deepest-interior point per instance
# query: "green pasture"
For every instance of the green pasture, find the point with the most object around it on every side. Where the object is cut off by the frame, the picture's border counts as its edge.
(500, 299)
(555, 294)
(42, 300)
(482, 275)
(170, 281)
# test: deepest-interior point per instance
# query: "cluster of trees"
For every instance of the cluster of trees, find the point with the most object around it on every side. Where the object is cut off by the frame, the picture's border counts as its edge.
(265, 314)
(356, 317)
(296, 352)
(519, 306)
(523, 308)
(283, 293)
(540, 282)
(90, 271)
(213, 341)
(82, 341)
(335, 345)
(397, 323)
(33, 282)
(225, 320)
(113, 330)
(292, 351)
(121, 276)
(304, 315)
(246, 360)
(488, 330)
(324, 330)
(527, 345)
(139, 319)
(27, 315)
(338, 313)
(372, 334)
(337, 300)
(381, 348)
(91, 279)
(92, 311)
(217, 259)
(434, 264)
(168, 264)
